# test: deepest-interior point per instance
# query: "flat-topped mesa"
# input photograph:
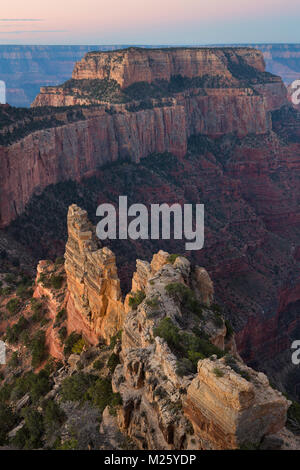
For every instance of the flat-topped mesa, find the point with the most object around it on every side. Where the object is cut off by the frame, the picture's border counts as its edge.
(128, 66)
(132, 74)
(94, 305)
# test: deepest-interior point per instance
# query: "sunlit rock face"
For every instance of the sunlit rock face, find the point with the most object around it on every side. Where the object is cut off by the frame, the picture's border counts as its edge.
(94, 304)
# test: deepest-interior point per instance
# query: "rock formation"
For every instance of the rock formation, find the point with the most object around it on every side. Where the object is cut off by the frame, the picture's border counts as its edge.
(72, 150)
(167, 406)
(228, 411)
(94, 305)
(131, 65)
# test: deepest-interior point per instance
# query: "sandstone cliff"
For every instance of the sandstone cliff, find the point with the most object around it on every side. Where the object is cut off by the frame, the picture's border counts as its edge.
(182, 384)
(128, 66)
(237, 103)
(94, 305)
(166, 404)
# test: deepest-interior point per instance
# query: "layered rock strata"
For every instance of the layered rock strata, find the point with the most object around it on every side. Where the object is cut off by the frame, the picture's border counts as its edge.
(94, 304)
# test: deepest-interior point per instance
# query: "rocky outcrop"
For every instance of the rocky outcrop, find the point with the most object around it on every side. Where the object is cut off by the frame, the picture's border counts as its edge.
(228, 411)
(75, 148)
(94, 305)
(166, 406)
(131, 65)
(53, 300)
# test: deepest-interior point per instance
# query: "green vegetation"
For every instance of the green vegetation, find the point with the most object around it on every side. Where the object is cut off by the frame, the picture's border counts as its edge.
(98, 364)
(37, 385)
(115, 339)
(82, 387)
(172, 258)
(101, 395)
(136, 299)
(188, 347)
(232, 362)
(38, 349)
(62, 333)
(113, 361)
(60, 317)
(13, 332)
(71, 444)
(78, 347)
(53, 281)
(30, 435)
(13, 306)
(75, 388)
(70, 342)
(53, 414)
(153, 302)
(37, 309)
(218, 372)
(185, 297)
(7, 421)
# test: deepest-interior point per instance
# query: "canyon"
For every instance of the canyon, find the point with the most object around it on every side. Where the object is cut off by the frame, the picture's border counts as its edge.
(181, 382)
(225, 135)
(26, 69)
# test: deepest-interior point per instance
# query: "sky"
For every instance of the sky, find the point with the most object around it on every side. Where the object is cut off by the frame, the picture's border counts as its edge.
(149, 22)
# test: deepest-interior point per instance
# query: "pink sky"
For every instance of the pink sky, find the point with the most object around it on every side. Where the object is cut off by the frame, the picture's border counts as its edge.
(152, 22)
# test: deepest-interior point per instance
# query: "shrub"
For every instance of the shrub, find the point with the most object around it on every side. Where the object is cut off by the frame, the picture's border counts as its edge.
(153, 302)
(24, 291)
(53, 414)
(13, 332)
(101, 395)
(78, 346)
(136, 299)
(170, 333)
(56, 281)
(293, 418)
(184, 367)
(7, 421)
(37, 385)
(59, 261)
(113, 361)
(38, 349)
(33, 429)
(62, 333)
(70, 342)
(14, 362)
(60, 317)
(172, 258)
(185, 345)
(74, 388)
(185, 297)
(218, 372)
(13, 306)
(218, 321)
(231, 362)
(37, 309)
(115, 339)
(98, 364)
(71, 444)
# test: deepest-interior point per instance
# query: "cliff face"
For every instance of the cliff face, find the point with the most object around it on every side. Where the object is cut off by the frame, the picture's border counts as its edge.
(73, 150)
(177, 379)
(27, 68)
(78, 149)
(229, 411)
(132, 65)
(166, 405)
(94, 305)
